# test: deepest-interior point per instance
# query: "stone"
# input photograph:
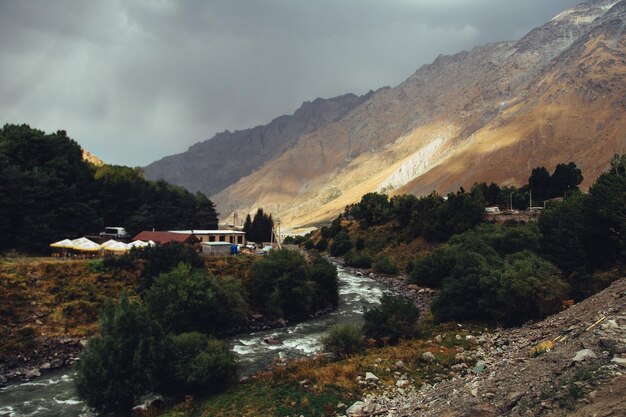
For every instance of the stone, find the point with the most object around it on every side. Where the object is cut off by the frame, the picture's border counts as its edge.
(341, 406)
(479, 367)
(401, 383)
(56, 363)
(619, 361)
(428, 356)
(45, 365)
(370, 377)
(612, 345)
(513, 398)
(399, 364)
(356, 409)
(481, 410)
(32, 373)
(583, 355)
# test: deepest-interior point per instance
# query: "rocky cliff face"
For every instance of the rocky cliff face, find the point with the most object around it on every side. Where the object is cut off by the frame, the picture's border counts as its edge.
(214, 164)
(489, 114)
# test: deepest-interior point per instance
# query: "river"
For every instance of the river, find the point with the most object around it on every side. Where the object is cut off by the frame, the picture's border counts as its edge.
(53, 394)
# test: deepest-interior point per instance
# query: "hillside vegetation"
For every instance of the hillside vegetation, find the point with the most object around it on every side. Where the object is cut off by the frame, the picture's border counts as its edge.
(48, 192)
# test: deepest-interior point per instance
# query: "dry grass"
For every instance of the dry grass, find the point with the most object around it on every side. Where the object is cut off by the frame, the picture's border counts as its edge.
(45, 297)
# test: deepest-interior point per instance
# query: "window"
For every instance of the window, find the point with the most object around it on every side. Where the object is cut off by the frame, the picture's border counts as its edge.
(222, 238)
(211, 238)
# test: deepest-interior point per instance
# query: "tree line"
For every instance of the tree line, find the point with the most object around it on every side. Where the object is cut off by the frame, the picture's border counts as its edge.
(48, 192)
(498, 273)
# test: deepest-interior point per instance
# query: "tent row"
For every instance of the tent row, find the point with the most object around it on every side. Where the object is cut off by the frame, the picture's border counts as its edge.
(85, 245)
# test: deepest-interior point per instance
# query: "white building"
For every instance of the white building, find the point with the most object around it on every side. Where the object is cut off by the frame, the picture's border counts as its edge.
(230, 236)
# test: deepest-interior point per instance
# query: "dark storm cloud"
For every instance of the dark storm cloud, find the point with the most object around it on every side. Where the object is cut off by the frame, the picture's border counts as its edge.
(133, 81)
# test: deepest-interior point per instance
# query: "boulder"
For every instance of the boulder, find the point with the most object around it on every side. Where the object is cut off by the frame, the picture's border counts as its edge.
(583, 355)
(428, 357)
(370, 377)
(356, 409)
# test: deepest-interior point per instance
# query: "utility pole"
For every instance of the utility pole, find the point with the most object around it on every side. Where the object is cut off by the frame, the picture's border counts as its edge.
(530, 193)
(511, 201)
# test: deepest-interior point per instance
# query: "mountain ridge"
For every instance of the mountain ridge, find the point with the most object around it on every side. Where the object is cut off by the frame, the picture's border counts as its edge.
(488, 114)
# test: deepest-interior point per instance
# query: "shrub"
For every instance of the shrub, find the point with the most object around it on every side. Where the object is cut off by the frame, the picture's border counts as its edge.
(120, 364)
(308, 244)
(322, 245)
(281, 284)
(359, 244)
(358, 259)
(385, 265)
(197, 364)
(522, 288)
(161, 259)
(341, 244)
(343, 340)
(190, 300)
(394, 319)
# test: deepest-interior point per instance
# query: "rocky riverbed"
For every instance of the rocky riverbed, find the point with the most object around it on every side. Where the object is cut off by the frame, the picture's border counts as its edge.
(573, 362)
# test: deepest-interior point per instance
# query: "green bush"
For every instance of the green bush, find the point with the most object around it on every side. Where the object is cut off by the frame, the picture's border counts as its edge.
(120, 364)
(343, 340)
(282, 284)
(308, 244)
(385, 265)
(161, 259)
(197, 364)
(521, 288)
(359, 244)
(393, 319)
(341, 244)
(186, 300)
(358, 259)
(322, 245)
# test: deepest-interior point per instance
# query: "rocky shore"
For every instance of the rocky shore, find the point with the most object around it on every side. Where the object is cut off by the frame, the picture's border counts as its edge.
(48, 354)
(573, 362)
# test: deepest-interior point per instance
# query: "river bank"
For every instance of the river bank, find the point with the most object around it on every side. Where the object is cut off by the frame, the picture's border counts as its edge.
(356, 293)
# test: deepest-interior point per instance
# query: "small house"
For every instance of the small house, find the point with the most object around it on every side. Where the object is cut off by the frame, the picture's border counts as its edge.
(217, 248)
(221, 235)
(164, 238)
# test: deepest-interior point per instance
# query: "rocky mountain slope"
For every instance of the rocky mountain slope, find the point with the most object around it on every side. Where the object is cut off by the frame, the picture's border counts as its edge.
(572, 363)
(489, 114)
(214, 164)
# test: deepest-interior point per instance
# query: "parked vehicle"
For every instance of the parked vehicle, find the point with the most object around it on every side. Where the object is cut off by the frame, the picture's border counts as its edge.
(114, 233)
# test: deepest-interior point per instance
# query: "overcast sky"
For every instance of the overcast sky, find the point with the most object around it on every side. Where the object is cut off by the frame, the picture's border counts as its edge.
(133, 81)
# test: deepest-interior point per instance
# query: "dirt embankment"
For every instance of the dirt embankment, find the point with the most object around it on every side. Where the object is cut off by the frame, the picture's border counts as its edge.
(571, 363)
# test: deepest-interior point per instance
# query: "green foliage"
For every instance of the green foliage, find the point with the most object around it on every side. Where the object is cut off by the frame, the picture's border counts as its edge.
(281, 284)
(491, 241)
(394, 319)
(385, 265)
(373, 209)
(47, 192)
(359, 244)
(260, 228)
(322, 245)
(197, 364)
(190, 300)
(343, 340)
(161, 259)
(529, 288)
(120, 364)
(358, 259)
(309, 244)
(436, 219)
(522, 288)
(289, 240)
(341, 244)
(563, 227)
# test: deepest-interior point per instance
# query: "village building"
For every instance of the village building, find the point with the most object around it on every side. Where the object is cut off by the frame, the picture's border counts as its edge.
(222, 235)
(164, 238)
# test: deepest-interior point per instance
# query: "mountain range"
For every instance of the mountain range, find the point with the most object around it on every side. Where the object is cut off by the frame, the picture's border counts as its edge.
(490, 114)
